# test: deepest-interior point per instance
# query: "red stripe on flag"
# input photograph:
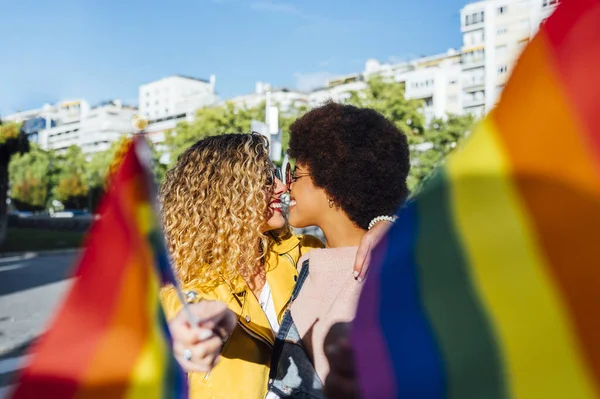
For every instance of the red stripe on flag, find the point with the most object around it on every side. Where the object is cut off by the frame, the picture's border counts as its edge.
(574, 36)
(63, 354)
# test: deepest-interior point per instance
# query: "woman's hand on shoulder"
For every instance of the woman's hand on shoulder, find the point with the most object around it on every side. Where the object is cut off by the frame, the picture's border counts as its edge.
(367, 244)
(197, 348)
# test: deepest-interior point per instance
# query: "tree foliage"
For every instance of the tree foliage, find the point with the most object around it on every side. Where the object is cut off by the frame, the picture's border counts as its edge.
(30, 179)
(429, 142)
(387, 97)
(40, 176)
(223, 119)
(9, 131)
(440, 139)
(71, 184)
(209, 122)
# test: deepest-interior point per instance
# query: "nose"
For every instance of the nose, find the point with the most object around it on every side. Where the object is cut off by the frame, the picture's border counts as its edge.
(280, 188)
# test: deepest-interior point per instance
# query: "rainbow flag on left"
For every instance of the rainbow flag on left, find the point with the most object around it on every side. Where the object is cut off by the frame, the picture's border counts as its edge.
(110, 338)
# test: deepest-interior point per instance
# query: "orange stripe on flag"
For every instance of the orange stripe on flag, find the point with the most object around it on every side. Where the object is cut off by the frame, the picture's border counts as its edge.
(539, 132)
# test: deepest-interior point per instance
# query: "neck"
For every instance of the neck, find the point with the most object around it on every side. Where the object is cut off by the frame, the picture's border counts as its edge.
(340, 231)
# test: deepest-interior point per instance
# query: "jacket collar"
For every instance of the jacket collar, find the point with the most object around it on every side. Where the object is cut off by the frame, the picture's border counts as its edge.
(287, 244)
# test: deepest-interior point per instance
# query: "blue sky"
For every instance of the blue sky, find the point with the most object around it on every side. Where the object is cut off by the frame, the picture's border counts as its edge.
(100, 50)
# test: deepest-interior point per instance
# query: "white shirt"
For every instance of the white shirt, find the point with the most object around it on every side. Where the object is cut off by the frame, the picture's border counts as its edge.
(267, 305)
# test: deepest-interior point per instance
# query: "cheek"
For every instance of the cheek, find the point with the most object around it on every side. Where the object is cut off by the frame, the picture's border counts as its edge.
(306, 201)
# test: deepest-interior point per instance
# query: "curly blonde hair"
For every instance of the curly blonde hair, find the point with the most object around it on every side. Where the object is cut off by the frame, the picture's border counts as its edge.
(214, 203)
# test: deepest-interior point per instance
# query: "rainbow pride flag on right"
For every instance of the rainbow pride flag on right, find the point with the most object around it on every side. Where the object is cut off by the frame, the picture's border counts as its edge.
(488, 286)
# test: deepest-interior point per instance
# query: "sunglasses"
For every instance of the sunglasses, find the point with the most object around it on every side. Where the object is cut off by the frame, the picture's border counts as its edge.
(291, 177)
(273, 173)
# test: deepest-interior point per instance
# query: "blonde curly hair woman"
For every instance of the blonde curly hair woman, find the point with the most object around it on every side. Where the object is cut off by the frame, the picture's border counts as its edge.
(230, 242)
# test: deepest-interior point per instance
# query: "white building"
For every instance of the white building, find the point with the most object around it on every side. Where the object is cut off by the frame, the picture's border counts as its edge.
(59, 126)
(436, 80)
(284, 98)
(175, 96)
(103, 125)
(64, 121)
(494, 34)
(338, 89)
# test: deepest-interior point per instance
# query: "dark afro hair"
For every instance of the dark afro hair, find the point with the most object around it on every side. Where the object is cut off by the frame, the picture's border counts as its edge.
(359, 157)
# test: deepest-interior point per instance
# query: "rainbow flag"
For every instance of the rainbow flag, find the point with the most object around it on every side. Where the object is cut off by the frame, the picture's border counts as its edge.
(489, 284)
(110, 338)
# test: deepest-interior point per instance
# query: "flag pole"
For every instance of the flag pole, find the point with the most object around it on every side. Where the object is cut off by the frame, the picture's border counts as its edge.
(140, 123)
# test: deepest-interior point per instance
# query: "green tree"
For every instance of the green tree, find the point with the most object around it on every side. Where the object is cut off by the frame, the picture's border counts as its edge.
(100, 164)
(209, 122)
(71, 186)
(30, 179)
(439, 140)
(429, 144)
(12, 141)
(387, 97)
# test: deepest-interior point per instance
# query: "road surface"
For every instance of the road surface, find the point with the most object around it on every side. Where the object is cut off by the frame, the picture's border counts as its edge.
(30, 288)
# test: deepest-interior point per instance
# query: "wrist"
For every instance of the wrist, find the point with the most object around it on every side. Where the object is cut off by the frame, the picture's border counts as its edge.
(378, 219)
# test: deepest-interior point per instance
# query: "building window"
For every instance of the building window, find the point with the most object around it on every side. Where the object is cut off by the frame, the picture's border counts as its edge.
(473, 19)
(502, 10)
(501, 50)
(473, 56)
(502, 69)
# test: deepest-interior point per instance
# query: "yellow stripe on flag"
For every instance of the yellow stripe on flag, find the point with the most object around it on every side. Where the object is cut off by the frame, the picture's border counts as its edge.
(147, 378)
(542, 359)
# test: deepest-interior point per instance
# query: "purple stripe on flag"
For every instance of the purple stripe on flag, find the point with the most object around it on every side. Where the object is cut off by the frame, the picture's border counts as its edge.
(368, 341)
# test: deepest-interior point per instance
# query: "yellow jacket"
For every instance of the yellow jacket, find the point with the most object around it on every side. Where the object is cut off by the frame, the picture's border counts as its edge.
(243, 370)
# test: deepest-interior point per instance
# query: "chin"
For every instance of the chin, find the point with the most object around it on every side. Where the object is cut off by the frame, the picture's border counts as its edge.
(277, 221)
(298, 223)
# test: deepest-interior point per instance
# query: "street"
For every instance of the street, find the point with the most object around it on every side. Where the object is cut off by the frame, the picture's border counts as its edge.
(31, 286)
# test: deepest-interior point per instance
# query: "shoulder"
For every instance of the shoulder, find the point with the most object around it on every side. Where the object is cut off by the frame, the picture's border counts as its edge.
(308, 242)
(297, 243)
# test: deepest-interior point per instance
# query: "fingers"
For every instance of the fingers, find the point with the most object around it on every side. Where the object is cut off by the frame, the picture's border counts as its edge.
(203, 341)
(214, 315)
(204, 355)
(365, 249)
(365, 268)
(183, 333)
(363, 256)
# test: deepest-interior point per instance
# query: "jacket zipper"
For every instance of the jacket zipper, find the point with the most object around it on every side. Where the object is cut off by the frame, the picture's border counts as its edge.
(254, 335)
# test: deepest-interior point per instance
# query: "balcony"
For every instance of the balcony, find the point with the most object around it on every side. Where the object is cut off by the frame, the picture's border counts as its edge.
(473, 58)
(473, 84)
(473, 63)
(473, 102)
